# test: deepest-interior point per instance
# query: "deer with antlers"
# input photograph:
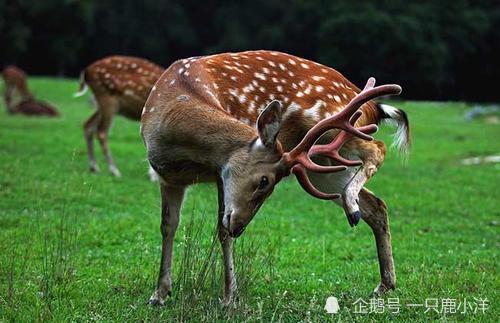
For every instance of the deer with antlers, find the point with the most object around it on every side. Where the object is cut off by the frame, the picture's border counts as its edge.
(16, 87)
(120, 85)
(245, 121)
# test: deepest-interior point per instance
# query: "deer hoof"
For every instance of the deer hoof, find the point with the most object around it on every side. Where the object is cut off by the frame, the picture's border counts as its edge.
(382, 289)
(115, 171)
(94, 168)
(156, 299)
(354, 218)
(229, 302)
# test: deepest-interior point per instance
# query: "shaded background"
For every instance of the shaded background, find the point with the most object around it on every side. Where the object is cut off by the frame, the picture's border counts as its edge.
(439, 50)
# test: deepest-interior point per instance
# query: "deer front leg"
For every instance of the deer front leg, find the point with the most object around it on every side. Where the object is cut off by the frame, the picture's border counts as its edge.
(171, 197)
(226, 241)
(374, 213)
(372, 154)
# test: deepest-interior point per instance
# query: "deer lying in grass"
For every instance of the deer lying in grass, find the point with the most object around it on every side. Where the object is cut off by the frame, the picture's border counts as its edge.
(217, 118)
(119, 84)
(16, 87)
(18, 98)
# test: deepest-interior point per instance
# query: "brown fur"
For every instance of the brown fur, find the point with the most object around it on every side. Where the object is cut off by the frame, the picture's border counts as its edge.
(16, 87)
(200, 124)
(120, 85)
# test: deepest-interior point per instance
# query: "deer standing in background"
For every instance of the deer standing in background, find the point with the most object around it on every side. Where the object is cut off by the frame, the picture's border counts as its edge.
(16, 87)
(119, 84)
(217, 118)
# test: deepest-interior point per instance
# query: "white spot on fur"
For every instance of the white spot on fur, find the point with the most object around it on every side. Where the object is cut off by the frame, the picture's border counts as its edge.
(300, 94)
(308, 89)
(337, 98)
(319, 88)
(291, 61)
(248, 88)
(260, 76)
(314, 111)
(251, 107)
(279, 88)
(304, 65)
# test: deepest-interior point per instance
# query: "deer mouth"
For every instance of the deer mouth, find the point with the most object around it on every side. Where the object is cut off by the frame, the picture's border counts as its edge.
(237, 232)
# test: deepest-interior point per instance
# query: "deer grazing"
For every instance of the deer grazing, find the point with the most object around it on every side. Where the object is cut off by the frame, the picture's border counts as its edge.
(246, 120)
(119, 84)
(16, 87)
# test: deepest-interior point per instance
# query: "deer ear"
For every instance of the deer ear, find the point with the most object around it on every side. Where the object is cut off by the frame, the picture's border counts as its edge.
(269, 123)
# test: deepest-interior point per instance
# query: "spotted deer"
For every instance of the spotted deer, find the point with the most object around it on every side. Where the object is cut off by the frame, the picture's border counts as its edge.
(16, 87)
(119, 84)
(245, 121)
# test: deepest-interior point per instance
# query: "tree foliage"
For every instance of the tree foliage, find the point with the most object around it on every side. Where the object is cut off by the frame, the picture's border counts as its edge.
(435, 49)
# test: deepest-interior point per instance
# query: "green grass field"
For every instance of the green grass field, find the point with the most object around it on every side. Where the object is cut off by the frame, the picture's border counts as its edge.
(77, 246)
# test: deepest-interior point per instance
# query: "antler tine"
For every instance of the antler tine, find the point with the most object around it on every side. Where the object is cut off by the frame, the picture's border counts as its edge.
(342, 120)
(299, 157)
(306, 184)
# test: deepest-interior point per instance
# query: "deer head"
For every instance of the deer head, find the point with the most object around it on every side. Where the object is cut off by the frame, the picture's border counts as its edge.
(250, 174)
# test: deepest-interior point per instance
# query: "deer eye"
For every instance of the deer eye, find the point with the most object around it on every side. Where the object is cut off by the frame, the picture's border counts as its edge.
(264, 181)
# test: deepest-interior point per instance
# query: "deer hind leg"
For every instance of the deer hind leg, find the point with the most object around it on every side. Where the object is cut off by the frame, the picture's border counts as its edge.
(90, 129)
(226, 242)
(108, 106)
(372, 154)
(375, 214)
(171, 197)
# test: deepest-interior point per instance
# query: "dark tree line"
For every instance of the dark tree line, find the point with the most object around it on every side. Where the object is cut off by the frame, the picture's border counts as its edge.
(448, 49)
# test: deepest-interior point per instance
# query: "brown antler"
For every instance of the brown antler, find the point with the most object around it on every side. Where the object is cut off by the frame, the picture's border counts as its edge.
(298, 159)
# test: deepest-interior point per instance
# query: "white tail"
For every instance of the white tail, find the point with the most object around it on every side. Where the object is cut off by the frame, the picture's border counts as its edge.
(399, 119)
(83, 86)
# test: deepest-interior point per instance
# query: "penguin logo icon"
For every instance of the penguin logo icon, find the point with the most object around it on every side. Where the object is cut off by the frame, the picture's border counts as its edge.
(332, 305)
